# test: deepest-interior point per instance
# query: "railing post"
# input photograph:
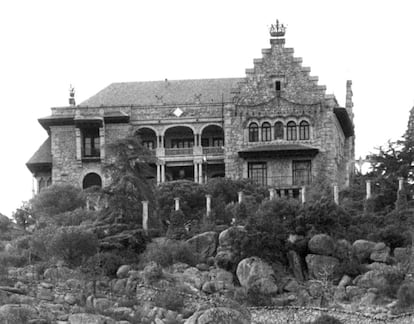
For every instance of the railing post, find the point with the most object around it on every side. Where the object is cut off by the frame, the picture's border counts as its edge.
(208, 205)
(336, 194)
(271, 193)
(177, 203)
(303, 194)
(240, 196)
(145, 215)
(368, 188)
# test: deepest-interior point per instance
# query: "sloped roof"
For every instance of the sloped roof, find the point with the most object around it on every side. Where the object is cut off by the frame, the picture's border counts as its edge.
(42, 157)
(164, 92)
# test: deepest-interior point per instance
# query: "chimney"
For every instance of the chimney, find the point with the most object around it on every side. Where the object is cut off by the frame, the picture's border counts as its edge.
(72, 96)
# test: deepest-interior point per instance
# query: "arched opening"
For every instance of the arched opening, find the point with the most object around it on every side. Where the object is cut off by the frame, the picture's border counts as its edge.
(291, 131)
(279, 130)
(179, 140)
(266, 132)
(90, 180)
(304, 130)
(212, 139)
(147, 137)
(253, 132)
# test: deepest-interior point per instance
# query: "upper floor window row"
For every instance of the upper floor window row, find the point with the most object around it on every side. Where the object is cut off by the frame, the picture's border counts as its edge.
(290, 132)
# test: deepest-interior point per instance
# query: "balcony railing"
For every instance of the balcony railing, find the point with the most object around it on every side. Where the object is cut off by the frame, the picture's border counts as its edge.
(213, 150)
(289, 181)
(179, 151)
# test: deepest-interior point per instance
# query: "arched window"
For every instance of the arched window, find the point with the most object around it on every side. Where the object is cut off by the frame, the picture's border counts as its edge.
(266, 132)
(253, 132)
(41, 184)
(91, 179)
(279, 130)
(291, 131)
(304, 130)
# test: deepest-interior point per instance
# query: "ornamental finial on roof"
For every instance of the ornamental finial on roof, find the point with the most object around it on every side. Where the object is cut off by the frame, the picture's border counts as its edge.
(277, 30)
(72, 96)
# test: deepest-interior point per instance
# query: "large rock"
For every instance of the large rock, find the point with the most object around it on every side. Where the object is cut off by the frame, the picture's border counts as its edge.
(362, 249)
(14, 313)
(379, 278)
(230, 247)
(218, 315)
(85, 318)
(254, 273)
(218, 280)
(205, 244)
(321, 267)
(322, 244)
(381, 253)
(123, 271)
(343, 250)
(296, 265)
(194, 277)
(402, 254)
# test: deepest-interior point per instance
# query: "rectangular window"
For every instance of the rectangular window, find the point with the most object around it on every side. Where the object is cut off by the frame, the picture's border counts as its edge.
(205, 142)
(301, 172)
(257, 172)
(182, 143)
(91, 142)
(148, 144)
(218, 142)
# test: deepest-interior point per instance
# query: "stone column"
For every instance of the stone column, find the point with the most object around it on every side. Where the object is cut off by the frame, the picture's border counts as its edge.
(240, 196)
(368, 189)
(271, 193)
(158, 174)
(336, 194)
(177, 203)
(102, 141)
(400, 183)
(145, 215)
(200, 173)
(208, 205)
(195, 172)
(303, 194)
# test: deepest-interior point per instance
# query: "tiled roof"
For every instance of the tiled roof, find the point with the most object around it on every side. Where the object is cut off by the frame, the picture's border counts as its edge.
(43, 156)
(165, 92)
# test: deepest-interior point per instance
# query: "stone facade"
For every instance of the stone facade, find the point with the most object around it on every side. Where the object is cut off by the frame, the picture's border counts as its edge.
(276, 125)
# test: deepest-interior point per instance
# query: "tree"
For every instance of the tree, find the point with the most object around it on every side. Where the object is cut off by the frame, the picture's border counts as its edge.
(23, 215)
(54, 200)
(131, 179)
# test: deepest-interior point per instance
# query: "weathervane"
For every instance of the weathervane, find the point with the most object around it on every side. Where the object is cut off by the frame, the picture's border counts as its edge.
(277, 30)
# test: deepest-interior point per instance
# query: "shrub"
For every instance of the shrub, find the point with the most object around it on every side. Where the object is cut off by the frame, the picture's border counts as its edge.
(327, 319)
(192, 199)
(405, 295)
(57, 199)
(169, 299)
(269, 229)
(170, 252)
(75, 217)
(39, 242)
(13, 260)
(73, 244)
(176, 229)
(106, 264)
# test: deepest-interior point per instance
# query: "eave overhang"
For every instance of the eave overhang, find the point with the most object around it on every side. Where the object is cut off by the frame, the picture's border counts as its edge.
(345, 121)
(279, 150)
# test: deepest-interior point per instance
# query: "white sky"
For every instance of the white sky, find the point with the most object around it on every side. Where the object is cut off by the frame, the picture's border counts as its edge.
(47, 45)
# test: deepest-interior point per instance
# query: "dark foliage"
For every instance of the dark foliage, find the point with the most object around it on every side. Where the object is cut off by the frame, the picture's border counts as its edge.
(327, 319)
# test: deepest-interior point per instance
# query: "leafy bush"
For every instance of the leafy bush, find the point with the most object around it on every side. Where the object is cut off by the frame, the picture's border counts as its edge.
(269, 228)
(170, 252)
(176, 229)
(169, 299)
(106, 264)
(13, 260)
(405, 295)
(73, 244)
(327, 319)
(54, 200)
(192, 199)
(75, 217)
(39, 242)
(351, 268)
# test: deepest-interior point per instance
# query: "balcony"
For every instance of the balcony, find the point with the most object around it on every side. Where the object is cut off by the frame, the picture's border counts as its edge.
(179, 151)
(213, 150)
